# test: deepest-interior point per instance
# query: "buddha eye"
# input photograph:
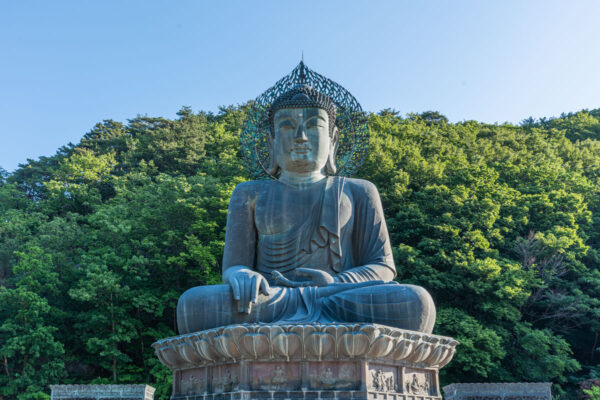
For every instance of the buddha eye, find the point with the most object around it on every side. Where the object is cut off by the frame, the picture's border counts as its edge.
(315, 123)
(286, 125)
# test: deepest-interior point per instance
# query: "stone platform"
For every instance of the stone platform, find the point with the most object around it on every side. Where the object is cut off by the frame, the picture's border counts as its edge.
(313, 361)
(499, 391)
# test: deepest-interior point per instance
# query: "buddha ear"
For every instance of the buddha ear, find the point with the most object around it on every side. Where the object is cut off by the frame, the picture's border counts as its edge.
(273, 166)
(330, 166)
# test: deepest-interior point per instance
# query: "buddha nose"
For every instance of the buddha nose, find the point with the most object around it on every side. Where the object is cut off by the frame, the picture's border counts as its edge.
(301, 135)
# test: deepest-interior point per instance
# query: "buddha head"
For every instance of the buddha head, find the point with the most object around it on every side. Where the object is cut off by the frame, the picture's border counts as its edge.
(303, 135)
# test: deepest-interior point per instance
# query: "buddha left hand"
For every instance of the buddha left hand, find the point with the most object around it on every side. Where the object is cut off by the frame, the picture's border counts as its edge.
(318, 278)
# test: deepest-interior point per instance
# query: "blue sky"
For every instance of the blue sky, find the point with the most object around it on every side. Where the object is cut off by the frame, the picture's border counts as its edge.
(65, 65)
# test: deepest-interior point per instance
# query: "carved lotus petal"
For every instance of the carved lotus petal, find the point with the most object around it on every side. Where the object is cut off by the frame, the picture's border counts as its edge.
(335, 330)
(448, 358)
(319, 344)
(286, 345)
(226, 347)
(235, 332)
(371, 331)
(270, 331)
(421, 352)
(403, 349)
(438, 353)
(382, 346)
(353, 344)
(205, 349)
(187, 351)
(413, 336)
(303, 330)
(210, 334)
(397, 335)
(254, 345)
(169, 356)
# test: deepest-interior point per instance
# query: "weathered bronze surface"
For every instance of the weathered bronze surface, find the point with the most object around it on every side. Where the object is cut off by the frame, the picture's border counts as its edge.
(308, 246)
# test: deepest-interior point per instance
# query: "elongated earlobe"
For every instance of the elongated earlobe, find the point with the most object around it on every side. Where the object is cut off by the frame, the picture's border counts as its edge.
(273, 165)
(330, 166)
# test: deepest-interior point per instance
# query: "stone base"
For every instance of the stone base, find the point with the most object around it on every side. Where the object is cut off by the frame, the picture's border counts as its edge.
(316, 361)
(499, 391)
(303, 395)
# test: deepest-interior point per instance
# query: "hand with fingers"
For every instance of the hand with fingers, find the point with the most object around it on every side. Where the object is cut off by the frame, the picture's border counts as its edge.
(245, 284)
(317, 278)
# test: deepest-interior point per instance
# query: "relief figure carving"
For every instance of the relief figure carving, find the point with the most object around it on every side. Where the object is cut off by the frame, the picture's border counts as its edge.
(382, 382)
(192, 385)
(278, 379)
(226, 383)
(328, 379)
(417, 386)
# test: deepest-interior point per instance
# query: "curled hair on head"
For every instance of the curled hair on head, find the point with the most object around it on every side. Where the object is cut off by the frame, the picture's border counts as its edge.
(303, 96)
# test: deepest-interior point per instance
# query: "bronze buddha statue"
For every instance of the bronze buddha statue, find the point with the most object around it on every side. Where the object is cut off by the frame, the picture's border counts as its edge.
(307, 246)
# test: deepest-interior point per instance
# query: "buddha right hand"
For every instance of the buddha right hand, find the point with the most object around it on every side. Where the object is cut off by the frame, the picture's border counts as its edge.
(245, 284)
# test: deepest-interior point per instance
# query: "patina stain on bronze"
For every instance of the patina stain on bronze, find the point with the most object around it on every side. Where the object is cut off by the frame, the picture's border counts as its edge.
(308, 302)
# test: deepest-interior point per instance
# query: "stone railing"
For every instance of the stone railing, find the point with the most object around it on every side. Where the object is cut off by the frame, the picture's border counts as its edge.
(99, 392)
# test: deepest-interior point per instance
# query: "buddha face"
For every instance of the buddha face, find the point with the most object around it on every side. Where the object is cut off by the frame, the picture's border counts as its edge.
(302, 142)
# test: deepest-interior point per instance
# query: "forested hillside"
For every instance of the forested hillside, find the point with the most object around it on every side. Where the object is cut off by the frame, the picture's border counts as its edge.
(501, 223)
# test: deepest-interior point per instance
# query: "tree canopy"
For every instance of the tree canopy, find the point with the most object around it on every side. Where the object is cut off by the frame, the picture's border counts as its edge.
(501, 223)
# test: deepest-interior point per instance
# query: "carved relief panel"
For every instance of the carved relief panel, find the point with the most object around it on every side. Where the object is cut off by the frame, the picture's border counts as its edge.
(334, 375)
(225, 378)
(193, 381)
(418, 382)
(275, 376)
(382, 378)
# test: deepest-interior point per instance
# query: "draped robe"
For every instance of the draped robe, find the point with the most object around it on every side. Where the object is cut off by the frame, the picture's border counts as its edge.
(335, 225)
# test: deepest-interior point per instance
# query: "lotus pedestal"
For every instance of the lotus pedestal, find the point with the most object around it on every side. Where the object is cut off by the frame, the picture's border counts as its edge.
(313, 361)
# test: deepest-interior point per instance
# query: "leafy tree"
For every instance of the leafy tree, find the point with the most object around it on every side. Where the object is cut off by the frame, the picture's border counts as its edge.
(31, 355)
(500, 223)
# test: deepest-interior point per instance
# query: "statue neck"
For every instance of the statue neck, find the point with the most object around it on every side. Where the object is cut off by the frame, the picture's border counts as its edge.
(301, 179)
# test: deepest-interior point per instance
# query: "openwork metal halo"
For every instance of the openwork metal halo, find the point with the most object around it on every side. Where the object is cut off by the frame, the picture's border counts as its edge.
(351, 121)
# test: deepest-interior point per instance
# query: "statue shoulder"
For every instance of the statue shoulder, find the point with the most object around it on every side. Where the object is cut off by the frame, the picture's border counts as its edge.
(361, 188)
(249, 190)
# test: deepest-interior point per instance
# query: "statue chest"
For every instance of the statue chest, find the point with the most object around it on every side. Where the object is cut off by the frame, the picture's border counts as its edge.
(282, 215)
(279, 211)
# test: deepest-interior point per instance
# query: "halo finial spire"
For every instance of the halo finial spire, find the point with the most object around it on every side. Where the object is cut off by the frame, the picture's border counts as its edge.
(302, 77)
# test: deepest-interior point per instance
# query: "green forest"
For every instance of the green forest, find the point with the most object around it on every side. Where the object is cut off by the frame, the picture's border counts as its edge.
(500, 222)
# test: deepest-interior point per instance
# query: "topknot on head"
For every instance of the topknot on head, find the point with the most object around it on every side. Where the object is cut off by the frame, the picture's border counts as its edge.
(303, 96)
